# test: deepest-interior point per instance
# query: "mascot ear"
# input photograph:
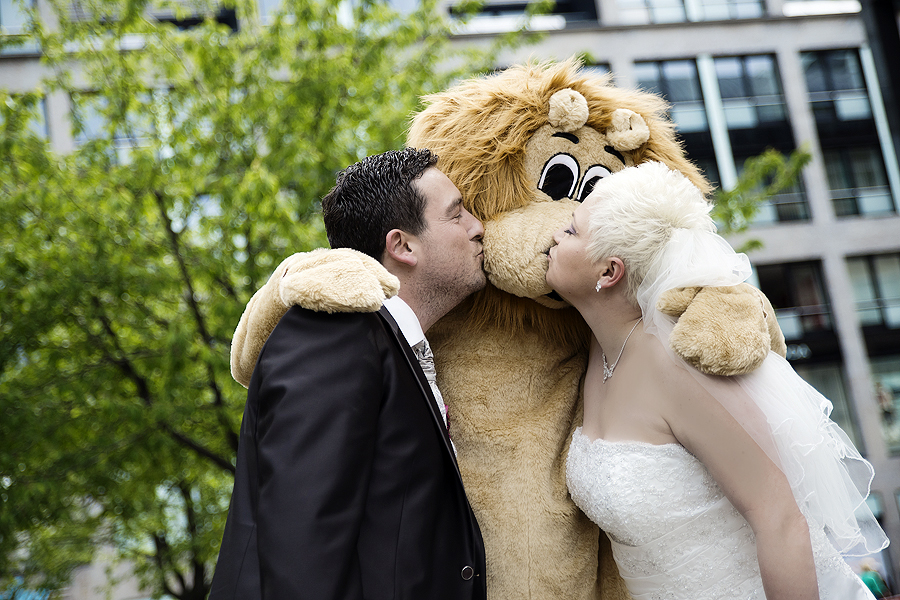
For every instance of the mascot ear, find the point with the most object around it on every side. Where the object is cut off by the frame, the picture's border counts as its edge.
(568, 110)
(628, 130)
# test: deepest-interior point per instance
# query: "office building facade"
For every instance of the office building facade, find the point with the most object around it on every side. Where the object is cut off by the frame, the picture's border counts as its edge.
(743, 76)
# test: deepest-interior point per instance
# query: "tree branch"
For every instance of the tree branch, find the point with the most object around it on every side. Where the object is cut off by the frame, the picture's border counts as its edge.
(199, 569)
(162, 561)
(199, 449)
(201, 324)
(221, 415)
(146, 396)
(176, 250)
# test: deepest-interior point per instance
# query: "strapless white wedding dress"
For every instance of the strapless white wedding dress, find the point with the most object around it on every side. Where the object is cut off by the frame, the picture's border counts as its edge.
(675, 536)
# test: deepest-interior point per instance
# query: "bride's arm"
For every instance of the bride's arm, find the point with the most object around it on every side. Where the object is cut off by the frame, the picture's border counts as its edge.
(753, 483)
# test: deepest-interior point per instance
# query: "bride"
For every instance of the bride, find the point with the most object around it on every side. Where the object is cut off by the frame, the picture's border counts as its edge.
(708, 487)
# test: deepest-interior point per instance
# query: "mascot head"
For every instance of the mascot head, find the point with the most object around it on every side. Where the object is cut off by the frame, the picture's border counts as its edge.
(524, 147)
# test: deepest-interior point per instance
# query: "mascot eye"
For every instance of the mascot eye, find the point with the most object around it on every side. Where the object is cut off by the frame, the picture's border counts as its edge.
(559, 176)
(593, 175)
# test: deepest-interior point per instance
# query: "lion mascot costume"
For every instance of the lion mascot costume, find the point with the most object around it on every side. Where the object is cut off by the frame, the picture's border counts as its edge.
(524, 146)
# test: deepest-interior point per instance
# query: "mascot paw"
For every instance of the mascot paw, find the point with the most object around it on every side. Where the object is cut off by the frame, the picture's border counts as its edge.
(723, 330)
(340, 280)
(675, 302)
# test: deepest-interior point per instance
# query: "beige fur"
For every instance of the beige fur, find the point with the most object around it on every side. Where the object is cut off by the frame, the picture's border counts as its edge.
(706, 336)
(340, 280)
(568, 110)
(511, 358)
(628, 130)
(510, 361)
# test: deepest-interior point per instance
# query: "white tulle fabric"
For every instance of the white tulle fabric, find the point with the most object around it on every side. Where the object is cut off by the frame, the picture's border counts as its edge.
(786, 416)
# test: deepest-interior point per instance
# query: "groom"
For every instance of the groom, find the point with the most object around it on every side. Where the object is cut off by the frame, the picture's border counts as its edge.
(347, 484)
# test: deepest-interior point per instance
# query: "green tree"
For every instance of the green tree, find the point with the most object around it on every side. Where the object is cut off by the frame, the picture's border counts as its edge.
(125, 264)
(762, 177)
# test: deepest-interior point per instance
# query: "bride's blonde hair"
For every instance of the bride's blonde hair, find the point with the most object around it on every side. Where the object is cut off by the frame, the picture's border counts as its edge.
(635, 212)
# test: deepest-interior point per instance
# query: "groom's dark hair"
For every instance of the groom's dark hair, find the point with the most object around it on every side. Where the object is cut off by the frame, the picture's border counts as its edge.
(375, 195)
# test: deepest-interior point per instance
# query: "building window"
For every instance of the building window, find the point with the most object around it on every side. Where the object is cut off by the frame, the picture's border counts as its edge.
(754, 111)
(39, 125)
(828, 379)
(721, 10)
(496, 16)
(637, 12)
(33, 108)
(598, 69)
(678, 11)
(858, 182)
(183, 14)
(93, 118)
(750, 90)
(679, 83)
(886, 395)
(12, 18)
(788, 205)
(753, 104)
(876, 289)
(13, 24)
(847, 133)
(267, 8)
(709, 168)
(837, 90)
(797, 293)
(757, 119)
(805, 8)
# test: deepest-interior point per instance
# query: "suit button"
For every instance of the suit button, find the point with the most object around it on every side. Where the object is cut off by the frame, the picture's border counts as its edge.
(467, 573)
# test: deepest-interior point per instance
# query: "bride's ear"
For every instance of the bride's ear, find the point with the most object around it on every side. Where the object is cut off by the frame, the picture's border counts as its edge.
(612, 270)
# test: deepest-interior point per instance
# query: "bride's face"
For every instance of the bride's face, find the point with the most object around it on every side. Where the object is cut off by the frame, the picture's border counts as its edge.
(571, 273)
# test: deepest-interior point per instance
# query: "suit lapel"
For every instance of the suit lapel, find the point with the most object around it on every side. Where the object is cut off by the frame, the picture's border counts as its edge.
(413, 363)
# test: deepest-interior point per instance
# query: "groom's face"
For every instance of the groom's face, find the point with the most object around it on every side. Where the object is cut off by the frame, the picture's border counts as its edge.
(451, 255)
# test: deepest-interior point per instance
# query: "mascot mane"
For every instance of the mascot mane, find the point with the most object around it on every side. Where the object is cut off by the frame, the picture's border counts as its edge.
(479, 129)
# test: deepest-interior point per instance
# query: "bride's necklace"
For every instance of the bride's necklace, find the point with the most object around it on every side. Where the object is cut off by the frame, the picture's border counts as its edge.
(608, 370)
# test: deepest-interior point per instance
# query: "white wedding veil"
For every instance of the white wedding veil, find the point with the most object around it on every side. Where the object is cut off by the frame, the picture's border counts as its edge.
(786, 416)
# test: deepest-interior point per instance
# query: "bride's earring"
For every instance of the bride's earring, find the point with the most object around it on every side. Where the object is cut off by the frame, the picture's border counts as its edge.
(598, 286)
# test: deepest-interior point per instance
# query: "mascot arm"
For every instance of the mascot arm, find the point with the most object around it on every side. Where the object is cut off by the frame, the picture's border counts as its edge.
(723, 330)
(339, 280)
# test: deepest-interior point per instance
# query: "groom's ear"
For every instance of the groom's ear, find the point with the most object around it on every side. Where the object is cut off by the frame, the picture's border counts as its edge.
(399, 246)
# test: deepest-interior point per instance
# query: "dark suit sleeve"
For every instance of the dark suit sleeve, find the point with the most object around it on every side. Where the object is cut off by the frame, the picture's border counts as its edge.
(320, 390)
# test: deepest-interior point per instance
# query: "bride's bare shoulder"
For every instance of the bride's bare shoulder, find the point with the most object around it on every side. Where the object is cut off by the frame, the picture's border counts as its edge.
(673, 377)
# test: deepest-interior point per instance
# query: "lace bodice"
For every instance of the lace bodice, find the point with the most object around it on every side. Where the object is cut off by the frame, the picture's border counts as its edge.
(674, 534)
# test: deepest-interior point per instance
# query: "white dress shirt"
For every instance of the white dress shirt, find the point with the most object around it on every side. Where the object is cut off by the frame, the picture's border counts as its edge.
(412, 331)
(406, 319)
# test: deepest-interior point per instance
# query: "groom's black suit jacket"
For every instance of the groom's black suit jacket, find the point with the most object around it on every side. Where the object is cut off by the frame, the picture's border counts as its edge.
(346, 484)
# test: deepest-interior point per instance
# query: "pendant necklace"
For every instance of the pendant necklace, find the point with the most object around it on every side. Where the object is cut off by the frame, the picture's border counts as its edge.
(608, 370)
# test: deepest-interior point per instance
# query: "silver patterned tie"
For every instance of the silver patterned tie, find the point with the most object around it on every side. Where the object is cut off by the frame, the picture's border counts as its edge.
(423, 353)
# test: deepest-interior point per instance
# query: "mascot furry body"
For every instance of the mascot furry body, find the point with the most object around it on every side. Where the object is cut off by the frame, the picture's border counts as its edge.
(523, 147)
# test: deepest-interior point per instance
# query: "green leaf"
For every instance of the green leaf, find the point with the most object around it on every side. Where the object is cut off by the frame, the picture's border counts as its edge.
(125, 265)
(762, 177)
